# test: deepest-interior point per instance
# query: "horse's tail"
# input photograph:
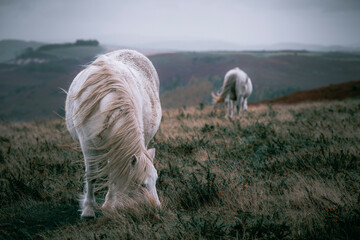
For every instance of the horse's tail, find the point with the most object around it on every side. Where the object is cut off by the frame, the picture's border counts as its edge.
(229, 83)
(217, 98)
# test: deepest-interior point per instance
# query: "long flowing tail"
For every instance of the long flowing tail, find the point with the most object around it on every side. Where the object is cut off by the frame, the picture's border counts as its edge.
(229, 82)
(217, 98)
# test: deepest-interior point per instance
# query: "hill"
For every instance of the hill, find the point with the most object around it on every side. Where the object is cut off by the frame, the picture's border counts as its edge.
(188, 78)
(11, 48)
(30, 84)
(278, 172)
(333, 92)
(77, 50)
(199, 46)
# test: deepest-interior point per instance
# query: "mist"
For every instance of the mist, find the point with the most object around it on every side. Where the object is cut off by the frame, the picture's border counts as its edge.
(154, 23)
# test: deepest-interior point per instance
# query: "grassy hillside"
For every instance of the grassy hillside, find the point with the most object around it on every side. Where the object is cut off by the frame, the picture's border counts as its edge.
(33, 91)
(76, 52)
(186, 78)
(30, 85)
(280, 172)
(333, 92)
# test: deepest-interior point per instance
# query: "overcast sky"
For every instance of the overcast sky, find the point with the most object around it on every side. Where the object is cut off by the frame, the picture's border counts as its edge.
(124, 22)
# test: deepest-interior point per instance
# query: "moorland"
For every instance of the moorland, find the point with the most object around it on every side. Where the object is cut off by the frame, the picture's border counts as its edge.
(31, 82)
(278, 172)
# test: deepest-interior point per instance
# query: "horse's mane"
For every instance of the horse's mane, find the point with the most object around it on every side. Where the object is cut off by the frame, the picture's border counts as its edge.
(115, 144)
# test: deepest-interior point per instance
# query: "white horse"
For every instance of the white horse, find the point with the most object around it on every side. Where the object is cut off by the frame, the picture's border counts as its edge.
(113, 110)
(237, 87)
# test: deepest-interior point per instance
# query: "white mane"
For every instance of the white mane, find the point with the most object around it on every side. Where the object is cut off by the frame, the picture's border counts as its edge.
(114, 146)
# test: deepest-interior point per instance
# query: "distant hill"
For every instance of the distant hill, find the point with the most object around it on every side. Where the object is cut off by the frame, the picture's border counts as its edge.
(77, 43)
(77, 50)
(332, 92)
(11, 48)
(18, 49)
(311, 47)
(187, 78)
(229, 46)
(30, 84)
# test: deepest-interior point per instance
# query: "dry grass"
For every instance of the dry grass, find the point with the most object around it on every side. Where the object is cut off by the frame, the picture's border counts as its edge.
(278, 172)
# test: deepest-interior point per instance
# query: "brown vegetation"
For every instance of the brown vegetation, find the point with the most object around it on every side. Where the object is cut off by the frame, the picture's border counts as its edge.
(278, 172)
(333, 92)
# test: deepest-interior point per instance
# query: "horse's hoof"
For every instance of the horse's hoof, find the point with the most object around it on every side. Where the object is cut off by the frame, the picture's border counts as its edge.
(88, 213)
(87, 217)
(106, 206)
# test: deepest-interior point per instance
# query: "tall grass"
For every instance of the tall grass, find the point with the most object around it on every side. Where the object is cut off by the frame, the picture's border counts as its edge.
(279, 172)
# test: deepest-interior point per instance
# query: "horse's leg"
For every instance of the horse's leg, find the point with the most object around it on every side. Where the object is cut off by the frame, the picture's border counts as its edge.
(245, 105)
(109, 198)
(232, 108)
(240, 105)
(88, 200)
(227, 106)
(237, 108)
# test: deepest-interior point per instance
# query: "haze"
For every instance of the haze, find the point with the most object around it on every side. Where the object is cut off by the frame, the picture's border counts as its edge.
(155, 22)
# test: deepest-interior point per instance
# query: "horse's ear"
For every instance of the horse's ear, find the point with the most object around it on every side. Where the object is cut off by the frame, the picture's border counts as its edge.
(151, 152)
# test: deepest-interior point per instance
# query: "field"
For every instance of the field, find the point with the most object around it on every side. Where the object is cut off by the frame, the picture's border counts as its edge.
(279, 172)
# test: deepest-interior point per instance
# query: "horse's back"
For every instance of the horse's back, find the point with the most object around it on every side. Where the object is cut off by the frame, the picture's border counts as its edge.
(243, 82)
(140, 79)
(147, 81)
(249, 88)
(138, 62)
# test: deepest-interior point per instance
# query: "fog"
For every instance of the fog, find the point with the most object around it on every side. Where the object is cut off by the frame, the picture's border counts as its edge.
(143, 23)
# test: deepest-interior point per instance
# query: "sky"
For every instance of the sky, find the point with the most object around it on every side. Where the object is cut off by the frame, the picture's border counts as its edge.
(146, 22)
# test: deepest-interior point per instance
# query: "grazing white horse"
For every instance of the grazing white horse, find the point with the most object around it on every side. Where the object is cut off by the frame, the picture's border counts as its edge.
(236, 88)
(113, 110)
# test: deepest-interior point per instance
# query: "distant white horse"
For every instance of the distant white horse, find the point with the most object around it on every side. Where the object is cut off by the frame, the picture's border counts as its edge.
(237, 87)
(113, 110)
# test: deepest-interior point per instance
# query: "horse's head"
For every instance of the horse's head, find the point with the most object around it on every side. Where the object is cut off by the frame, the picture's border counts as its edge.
(149, 183)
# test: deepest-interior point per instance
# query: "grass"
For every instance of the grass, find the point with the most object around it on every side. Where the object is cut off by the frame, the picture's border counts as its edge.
(279, 172)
